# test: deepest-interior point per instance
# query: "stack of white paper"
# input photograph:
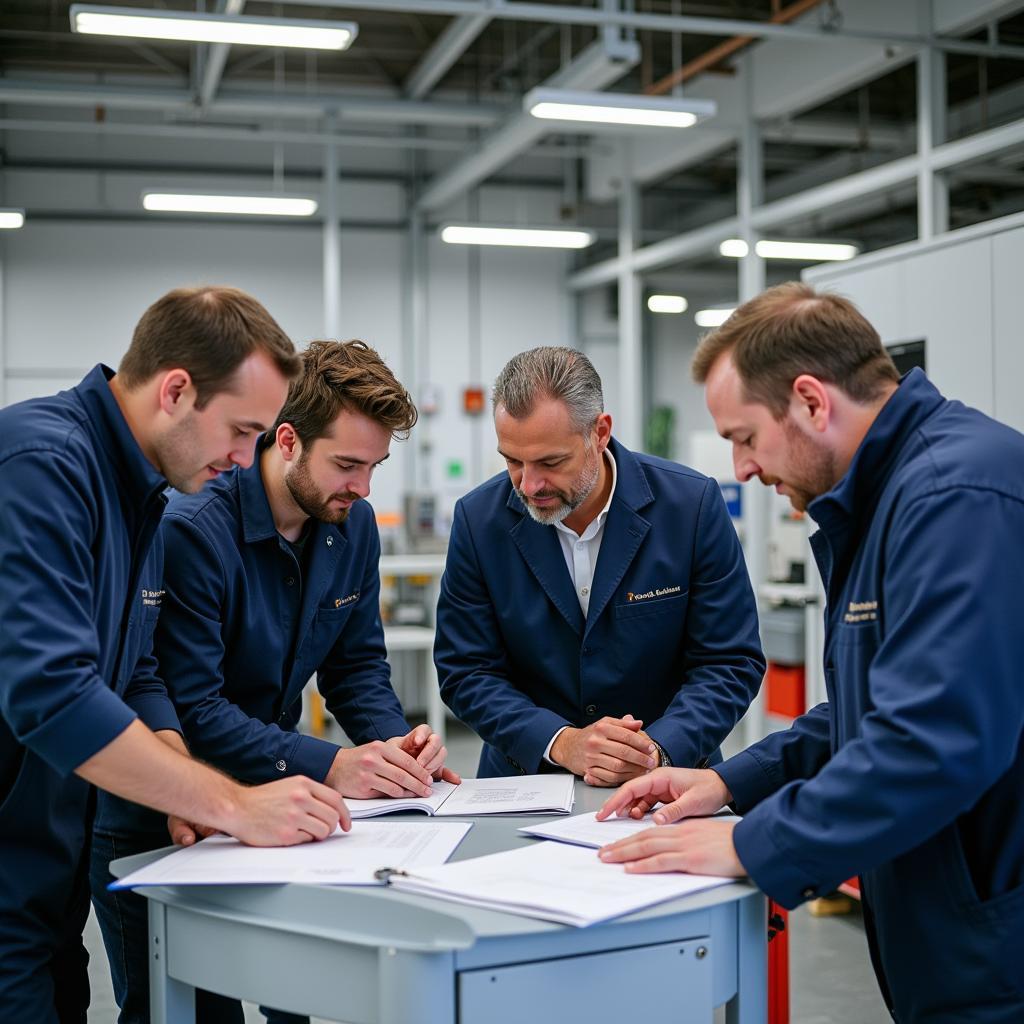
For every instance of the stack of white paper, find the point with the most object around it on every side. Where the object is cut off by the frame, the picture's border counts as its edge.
(520, 794)
(345, 858)
(586, 830)
(552, 881)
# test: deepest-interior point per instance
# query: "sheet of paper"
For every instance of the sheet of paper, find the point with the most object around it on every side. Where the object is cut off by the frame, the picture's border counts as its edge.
(552, 881)
(586, 830)
(345, 858)
(518, 794)
(392, 805)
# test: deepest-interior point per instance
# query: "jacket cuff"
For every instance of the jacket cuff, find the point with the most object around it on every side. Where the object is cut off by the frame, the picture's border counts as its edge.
(681, 752)
(67, 739)
(530, 752)
(156, 711)
(750, 780)
(312, 757)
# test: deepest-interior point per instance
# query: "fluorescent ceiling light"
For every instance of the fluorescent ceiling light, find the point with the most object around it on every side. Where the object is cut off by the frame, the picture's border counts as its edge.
(212, 28)
(10, 218)
(667, 304)
(543, 238)
(617, 108)
(713, 317)
(257, 206)
(806, 252)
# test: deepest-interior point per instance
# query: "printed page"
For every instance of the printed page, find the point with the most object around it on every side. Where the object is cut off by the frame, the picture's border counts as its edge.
(586, 830)
(345, 858)
(392, 805)
(555, 882)
(518, 794)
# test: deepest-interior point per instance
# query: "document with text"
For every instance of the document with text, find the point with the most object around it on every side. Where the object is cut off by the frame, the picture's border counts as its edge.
(344, 858)
(553, 881)
(586, 830)
(518, 794)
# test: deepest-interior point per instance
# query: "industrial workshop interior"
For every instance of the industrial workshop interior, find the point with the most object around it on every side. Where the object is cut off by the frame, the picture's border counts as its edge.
(483, 490)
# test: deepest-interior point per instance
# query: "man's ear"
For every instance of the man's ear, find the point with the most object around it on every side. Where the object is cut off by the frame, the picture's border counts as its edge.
(287, 441)
(174, 392)
(603, 430)
(810, 403)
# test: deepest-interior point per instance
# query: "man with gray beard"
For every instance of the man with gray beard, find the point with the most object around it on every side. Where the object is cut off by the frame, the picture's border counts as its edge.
(595, 613)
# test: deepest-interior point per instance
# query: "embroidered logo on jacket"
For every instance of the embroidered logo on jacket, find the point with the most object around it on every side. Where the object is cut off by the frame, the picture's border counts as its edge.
(657, 592)
(153, 598)
(861, 611)
(340, 602)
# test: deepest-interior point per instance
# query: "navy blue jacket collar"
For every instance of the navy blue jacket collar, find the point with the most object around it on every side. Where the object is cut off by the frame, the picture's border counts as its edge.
(139, 478)
(843, 511)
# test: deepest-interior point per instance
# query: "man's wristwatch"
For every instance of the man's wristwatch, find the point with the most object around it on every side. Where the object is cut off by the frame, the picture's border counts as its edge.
(664, 761)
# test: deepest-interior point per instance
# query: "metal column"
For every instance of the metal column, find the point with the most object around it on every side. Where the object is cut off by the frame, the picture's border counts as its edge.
(332, 239)
(629, 415)
(932, 187)
(757, 501)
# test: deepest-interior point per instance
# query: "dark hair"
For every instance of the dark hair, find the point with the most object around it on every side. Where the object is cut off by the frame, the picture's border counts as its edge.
(550, 372)
(792, 329)
(208, 331)
(345, 375)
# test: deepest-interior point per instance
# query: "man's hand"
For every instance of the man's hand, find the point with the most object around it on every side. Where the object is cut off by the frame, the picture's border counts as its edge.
(428, 750)
(378, 769)
(606, 752)
(698, 847)
(287, 812)
(186, 833)
(686, 792)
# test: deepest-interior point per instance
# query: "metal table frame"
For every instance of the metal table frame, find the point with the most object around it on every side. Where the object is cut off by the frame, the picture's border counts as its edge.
(375, 955)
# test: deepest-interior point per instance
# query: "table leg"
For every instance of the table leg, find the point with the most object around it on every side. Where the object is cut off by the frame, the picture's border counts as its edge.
(170, 1001)
(750, 1004)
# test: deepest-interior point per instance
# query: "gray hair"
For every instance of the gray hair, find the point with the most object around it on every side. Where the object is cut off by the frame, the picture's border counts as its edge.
(552, 371)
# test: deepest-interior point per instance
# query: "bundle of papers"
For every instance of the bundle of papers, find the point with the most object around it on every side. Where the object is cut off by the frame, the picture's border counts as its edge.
(586, 830)
(554, 882)
(345, 858)
(520, 794)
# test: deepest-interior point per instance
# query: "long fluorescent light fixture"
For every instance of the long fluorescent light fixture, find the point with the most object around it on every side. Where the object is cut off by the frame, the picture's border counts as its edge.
(252, 206)
(212, 28)
(806, 252)
(713, 317)
(617, 108)
(10, 219)
(667, 303)
(541, 238)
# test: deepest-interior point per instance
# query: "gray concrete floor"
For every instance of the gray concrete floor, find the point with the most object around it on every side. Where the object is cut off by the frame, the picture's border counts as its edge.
(831, 981)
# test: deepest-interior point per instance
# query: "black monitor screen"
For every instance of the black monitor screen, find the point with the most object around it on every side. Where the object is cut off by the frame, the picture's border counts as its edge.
(907, 354)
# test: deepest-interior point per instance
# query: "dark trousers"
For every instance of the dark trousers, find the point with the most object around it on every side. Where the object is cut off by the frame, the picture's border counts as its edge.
(124, 921)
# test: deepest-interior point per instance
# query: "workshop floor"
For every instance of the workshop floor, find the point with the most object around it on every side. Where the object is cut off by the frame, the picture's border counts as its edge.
(831, 981)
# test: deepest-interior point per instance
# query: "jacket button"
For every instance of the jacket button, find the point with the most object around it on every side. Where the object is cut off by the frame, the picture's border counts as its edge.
(591, 709)
(290, 580)
(808, 893)
(281, 765)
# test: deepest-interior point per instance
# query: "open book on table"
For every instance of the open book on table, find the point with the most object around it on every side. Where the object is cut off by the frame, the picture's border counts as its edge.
(518, 794)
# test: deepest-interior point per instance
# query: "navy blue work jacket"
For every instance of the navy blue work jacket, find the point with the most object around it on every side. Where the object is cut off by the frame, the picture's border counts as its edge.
(912, 774)
(670, 637)
(80, 594)
(235, 599)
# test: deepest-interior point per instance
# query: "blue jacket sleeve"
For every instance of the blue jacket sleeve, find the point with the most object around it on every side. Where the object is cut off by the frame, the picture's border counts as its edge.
(472, 666)
(52, 695)
(723, 663)
(945, 702)
(190, 649)
(794, 753)
(355, 678)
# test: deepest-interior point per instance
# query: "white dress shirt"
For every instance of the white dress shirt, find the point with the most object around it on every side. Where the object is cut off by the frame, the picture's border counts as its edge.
(581, 551)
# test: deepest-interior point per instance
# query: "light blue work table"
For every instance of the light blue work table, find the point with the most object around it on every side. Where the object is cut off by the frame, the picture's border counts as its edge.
(374, 955)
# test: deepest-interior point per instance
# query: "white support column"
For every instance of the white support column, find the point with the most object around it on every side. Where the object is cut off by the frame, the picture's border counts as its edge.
(628, 417)
(332, 239)
(413, 319)
(932, 187)
(756, 497)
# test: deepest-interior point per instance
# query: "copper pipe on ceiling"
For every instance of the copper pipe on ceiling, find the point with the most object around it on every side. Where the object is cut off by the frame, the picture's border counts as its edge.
(718, 53)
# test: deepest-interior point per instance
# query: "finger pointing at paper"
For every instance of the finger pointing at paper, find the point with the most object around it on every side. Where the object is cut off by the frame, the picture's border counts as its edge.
(697, 847)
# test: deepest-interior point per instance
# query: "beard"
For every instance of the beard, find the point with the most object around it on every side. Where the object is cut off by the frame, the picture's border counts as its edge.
(812, 468)
(310, 499)
(177, 452)
(569, 501)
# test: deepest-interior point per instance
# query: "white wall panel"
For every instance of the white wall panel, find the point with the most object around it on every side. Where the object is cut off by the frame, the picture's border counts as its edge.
(1008, 327)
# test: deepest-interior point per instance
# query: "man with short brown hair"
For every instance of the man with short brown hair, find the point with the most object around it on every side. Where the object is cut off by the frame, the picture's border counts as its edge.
(272, 576)
(912, 775)
(82, 476)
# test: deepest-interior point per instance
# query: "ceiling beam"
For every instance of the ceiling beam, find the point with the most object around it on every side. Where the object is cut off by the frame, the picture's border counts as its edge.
(216, 57)
(450, 45)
